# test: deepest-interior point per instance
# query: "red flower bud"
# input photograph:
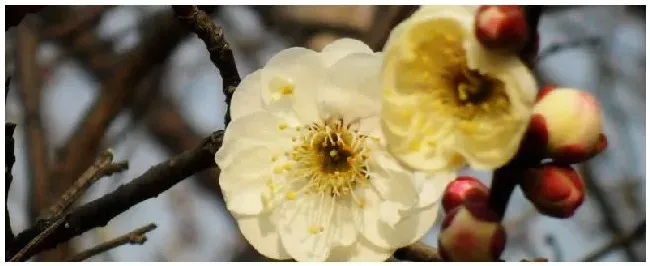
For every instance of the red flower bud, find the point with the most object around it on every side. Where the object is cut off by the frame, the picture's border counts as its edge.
(501, 27)
(555, 190)
(566, 125)
(471, 232)
(464, 188)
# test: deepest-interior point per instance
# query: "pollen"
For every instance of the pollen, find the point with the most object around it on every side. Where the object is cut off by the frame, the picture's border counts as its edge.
(287, 90)
(291, 195)
(315, 229)
(328, 158)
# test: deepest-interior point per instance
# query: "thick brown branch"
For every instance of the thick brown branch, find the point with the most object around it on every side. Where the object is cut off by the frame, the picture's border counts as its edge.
(97, 213)
(135, 237)
(418, 252)
(220, 52)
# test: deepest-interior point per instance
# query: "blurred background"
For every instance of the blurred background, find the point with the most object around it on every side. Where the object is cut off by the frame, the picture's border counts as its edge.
(134, 79)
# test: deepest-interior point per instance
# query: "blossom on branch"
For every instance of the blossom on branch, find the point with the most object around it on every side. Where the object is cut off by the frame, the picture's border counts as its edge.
(462, 189)
(304, 169)
(567, 123)
(447, 100)
(471, 232)
(555, 190)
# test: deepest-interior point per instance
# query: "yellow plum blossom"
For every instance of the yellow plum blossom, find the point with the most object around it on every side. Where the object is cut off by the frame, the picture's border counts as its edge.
(447, 101)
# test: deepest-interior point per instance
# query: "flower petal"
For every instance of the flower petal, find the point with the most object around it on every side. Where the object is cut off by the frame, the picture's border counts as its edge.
(341, 48)
(259, 129)
(362, 251)
(297, 73)
(352, 93)
(390, 180)
(432, 187)
(247, 98)
(412, 227)
(260, 232)
(305, 227)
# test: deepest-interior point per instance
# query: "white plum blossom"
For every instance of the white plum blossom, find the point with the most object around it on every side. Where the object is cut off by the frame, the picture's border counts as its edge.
(448, 101)
(304, 169)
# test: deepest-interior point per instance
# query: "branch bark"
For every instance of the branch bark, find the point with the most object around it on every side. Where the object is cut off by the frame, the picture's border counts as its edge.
(98, 213)
(135, 237)
(220, 53)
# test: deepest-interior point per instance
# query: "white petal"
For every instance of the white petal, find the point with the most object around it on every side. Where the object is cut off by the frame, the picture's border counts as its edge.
(432, 187)
(346, 222)
(392, 181)
(302, 70)
(410, 229)
(247, 98)
(338, 49)
(260, 232)
(362, 251)
(297, 218)
(354, 87)
(259, 129)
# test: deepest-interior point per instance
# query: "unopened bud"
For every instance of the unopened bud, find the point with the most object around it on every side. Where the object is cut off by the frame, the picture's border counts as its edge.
(501, 27)
(464, 188)
(555, 190)
(471, 232)
(567, 123)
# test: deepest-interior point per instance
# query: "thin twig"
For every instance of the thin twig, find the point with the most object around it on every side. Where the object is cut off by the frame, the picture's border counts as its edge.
(135, 237)
(606, 208)
(7, 83)
(24, 253)
(620, 240)
(418, 252)
(220, 52)
(99, 212)
(102, 166)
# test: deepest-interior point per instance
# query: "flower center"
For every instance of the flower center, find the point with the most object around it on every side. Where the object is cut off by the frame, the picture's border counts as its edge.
(440, 72)
(330, 156)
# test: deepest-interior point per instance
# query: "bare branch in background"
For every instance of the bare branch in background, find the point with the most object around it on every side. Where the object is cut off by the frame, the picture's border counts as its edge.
(135, 237)
(558, 47)
(220, 52)
(618, 241)
(52, 219)
(386, 18)
(607, 210)
(97, 213)
(78, 23)
(102, 167)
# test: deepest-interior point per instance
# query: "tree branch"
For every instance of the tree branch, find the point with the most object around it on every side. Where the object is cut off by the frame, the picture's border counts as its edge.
(84, 143)
(29, 92)
(103, 166)
(220, 52)
(418, 252)
(135, 237)
(386, 18)
(620, 240)
(99, 212)
(608, 211)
